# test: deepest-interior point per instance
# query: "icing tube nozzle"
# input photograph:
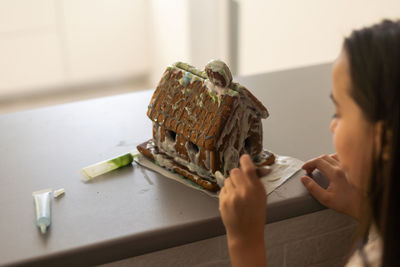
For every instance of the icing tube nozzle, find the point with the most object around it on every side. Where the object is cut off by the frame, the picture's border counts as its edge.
(43, 228)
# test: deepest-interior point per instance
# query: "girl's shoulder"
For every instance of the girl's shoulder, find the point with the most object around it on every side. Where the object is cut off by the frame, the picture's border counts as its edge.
(370, 254)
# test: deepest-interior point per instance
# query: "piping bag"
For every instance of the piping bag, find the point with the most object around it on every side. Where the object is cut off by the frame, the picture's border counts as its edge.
(42, 206)
(94, 170)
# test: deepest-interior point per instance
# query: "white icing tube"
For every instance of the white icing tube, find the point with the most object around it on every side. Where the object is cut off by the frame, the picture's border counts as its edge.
(42, 206)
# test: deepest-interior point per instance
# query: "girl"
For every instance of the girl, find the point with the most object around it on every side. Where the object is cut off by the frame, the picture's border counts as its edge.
(364, 178)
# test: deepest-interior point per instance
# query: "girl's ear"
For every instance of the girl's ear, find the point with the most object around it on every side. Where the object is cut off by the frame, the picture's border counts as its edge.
(383, 140)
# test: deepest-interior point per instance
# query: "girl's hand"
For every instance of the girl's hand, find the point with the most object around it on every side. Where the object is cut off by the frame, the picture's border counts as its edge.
(340, 194)
(242, 203)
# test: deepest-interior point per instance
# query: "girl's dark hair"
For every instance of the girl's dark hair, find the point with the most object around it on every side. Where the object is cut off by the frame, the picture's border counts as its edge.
(374, 58)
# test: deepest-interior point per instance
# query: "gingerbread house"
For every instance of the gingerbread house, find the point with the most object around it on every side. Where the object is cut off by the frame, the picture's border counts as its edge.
(204, 121)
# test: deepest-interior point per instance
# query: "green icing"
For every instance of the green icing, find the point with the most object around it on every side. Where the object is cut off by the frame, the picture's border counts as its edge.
(236, 87)
(191, 69)
(122, 160)
(213, 96)
(199, 100)
(232, 92)
(197, 78)
(183, 65)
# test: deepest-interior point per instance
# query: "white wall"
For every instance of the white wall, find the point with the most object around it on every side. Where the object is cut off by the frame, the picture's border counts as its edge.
(50, 44)
(30, 54)
(169, 35)
(193, 31)
(272, 35)
(209, 31)
(279, 34)
(106, 39)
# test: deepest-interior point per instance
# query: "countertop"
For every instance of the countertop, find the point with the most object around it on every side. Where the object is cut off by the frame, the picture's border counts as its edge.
(133, 210)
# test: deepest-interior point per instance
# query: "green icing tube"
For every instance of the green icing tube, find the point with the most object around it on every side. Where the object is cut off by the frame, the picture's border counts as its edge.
(105, 166)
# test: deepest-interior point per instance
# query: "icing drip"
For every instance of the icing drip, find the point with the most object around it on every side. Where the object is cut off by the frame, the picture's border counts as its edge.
(215, 91)
(231, 159)
(220, 178)
(167, 146)
(207, 160)
(163, 162)
(195, 168)
(170, 165)
(192, 153)
(230, 154)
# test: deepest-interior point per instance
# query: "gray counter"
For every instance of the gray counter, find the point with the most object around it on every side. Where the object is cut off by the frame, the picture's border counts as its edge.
(133, 210)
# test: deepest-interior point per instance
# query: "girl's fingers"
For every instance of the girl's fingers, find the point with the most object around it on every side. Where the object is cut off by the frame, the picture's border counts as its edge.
(228, 185)
(330, 159)
(321, 164)
(316, 191)
(248, 167)
(235, 175)
(335, 157)
(223, 191)
(309, 166)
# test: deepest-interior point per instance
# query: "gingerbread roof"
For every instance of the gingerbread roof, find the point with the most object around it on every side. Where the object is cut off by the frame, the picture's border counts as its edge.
(183, 103)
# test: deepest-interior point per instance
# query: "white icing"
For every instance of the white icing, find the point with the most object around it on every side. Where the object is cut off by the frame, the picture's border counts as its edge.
(213, 88)
(231, 159)
(193, 155)
(194, 168)
(238, 128)
(168, 147)
(207, 160)
(166, 163)
(156, 127)
(220, 178)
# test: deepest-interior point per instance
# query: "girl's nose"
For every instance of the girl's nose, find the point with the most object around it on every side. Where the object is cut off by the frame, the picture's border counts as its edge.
(333, 124)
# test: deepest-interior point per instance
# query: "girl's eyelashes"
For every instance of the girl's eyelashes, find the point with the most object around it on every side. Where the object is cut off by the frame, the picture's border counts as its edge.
(335, 115)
